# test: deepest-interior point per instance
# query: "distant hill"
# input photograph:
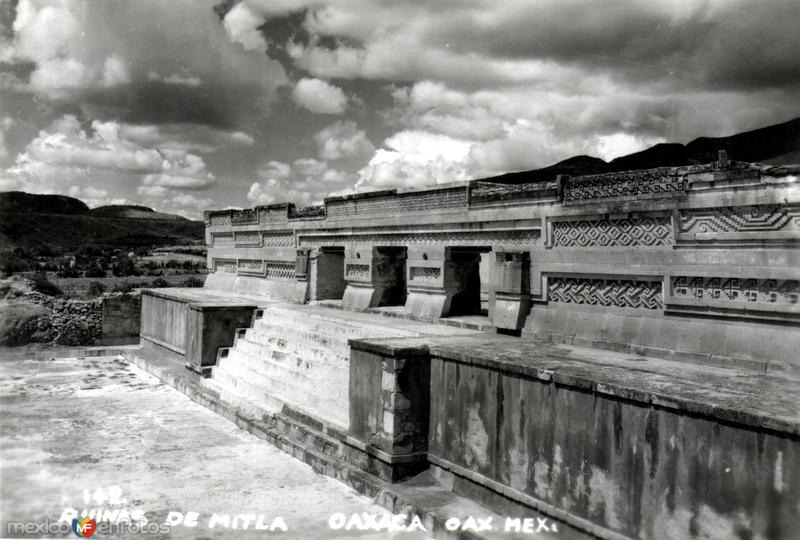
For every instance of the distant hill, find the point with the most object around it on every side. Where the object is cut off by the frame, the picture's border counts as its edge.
(130, 211)
(776, 145)
(28, 220)
(19, 202)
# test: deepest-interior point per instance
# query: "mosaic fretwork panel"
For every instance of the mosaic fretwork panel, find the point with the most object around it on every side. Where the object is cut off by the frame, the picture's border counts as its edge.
(392, 204)
(272, 215)
(425, 274)
(358, 272)
(624, 184)
(249, 238)
(251, 266)
(644, 231)
(220, 219)
(462, 238)
(227, 266)
(757, 291)
(279, 270)
(221, 239)
(248, 216)
(606, 292)
(764, 218)
(278, 239)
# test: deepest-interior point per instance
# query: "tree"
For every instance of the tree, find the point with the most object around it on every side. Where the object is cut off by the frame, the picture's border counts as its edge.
(95, 271)
(96, 289)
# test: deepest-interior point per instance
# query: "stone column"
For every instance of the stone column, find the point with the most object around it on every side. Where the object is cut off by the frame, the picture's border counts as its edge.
(375, 277)
(439, 278)
(511, 285)
(300, 288)
(390, 406)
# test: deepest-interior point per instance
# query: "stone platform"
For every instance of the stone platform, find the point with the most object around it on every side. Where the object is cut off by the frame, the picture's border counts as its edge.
(611, 444)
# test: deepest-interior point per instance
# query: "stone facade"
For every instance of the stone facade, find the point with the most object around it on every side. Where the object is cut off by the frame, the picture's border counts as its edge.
(653, 249)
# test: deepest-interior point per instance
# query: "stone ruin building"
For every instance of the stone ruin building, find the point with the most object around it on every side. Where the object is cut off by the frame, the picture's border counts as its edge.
(617, 351)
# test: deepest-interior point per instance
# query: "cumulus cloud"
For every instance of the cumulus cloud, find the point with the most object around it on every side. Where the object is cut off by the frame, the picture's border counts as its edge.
(115, 71)
(88, 55)
(343, 140)
(530, 83)
(319, 96)
(303, 182)
(94, 197)
(415, 158)
(242, 24)
(68, 150)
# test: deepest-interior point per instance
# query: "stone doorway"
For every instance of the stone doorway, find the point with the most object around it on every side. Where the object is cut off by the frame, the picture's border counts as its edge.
(327, 274)
(465, 265)
(390, 275)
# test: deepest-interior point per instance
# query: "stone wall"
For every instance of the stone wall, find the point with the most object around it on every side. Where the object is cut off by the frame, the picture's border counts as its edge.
(697, 263)
(73, 322)
(112, 319)
(121, 319)
(606, 463)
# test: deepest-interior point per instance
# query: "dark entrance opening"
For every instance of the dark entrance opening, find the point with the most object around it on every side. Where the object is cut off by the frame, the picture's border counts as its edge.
(466, 263)
(389, 275)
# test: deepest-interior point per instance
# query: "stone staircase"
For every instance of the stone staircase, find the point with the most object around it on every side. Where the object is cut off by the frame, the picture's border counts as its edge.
(296, 356)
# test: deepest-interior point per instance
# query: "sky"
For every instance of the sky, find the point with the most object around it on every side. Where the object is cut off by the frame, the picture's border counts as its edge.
(187, 105)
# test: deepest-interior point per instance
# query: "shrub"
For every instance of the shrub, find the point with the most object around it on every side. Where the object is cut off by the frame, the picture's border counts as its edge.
(24, 323)
(45, 286)
(193, 282)
(68, 272)
(95, 271)
(96, 289)
(12, 263)
(159, 283)
(122, 287)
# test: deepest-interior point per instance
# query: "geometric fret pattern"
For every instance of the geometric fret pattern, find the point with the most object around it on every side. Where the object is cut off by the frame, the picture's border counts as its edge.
(358, 272)
(460, 238)
(250, 238)
(428, 201)
(624, 185)
(278, 239)
(227, 266)
(250, 266)
(246, 216)
(279, 270)
(763, 218)
(645, 231)
(760, 291)
(606, 292)
(419, 273)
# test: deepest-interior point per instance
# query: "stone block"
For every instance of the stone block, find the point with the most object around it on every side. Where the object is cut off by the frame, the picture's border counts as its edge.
(209, 327)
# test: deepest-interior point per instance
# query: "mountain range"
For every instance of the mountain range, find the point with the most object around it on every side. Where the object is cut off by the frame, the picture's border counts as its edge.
(28, 220)
(778, 144)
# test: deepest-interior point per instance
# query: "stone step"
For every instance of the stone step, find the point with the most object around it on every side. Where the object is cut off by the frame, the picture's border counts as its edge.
(258, 344)
(336, 317)
(282, 336)
(273, 393)
(243, 366)
(329, 325)
(294, 356)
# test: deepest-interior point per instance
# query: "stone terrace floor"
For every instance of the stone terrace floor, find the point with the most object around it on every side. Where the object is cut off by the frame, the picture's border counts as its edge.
(70, 424)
